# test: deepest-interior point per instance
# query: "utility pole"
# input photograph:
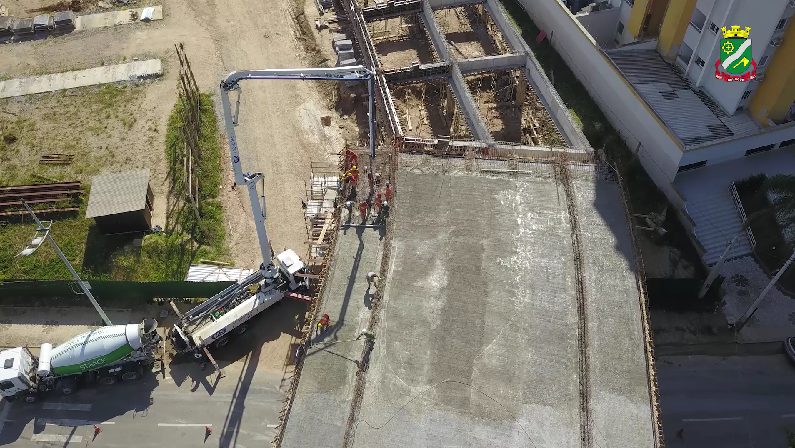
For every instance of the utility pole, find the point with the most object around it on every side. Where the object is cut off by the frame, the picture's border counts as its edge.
(713, 274)
(743, 320)
(82, 284)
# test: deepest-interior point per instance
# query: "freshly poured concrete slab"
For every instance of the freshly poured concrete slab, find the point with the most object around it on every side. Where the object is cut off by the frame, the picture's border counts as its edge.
(130, 71)
(323, 399)
(477, 340)
(113, 18)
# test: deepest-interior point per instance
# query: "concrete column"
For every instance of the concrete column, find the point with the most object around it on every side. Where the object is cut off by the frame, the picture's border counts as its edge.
(521, 90)
(484, 13)
(674, 25)
(776, 93)
(637, 17)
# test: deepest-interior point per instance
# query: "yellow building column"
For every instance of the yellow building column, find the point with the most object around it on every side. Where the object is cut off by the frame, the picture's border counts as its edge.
(646, 16)
(774, 96)
(674, 25)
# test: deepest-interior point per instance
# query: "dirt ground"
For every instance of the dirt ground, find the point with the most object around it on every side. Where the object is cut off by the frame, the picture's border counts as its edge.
(401, 42)
(28, 8)
(468, 34)
(280, 131)
(528, 124)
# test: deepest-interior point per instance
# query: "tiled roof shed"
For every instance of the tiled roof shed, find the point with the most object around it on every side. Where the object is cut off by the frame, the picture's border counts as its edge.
(121, 202)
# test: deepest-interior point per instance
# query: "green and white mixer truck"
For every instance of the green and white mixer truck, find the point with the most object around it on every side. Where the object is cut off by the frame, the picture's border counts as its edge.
(104, 355)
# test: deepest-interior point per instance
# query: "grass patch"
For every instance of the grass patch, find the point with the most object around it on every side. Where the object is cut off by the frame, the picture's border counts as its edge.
(208, 172)
(771, 248)
(160, 257)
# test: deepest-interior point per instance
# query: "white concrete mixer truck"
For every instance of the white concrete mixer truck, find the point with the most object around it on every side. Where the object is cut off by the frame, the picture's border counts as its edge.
(105, 356)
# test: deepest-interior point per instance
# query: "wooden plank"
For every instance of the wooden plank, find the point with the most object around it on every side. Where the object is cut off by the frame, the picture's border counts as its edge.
(39, 212)
(323, 232)
(16, 196)
(37, 187)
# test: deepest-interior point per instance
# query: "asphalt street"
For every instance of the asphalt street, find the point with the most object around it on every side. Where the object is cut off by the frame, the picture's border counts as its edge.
(242, 410)
(727, 402)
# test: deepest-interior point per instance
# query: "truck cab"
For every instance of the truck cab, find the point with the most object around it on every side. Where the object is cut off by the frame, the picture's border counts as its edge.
(17, 372)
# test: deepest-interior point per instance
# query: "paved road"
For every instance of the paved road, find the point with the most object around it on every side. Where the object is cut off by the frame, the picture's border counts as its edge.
(735, 402)
(171, 411)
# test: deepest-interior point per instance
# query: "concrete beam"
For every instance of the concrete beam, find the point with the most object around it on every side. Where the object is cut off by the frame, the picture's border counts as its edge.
(434, 32)
(468, 106)
(444, 4)
(493, 63)
(418, 73)
(508, 30)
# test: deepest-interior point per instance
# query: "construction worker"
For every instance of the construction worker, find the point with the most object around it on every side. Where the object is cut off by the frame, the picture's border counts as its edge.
(355, 174)
(378, 202)
(323, 323)
(388, 192)
(351, 158)
(372, 279)
(363, 210)
(383, 214)
(349, 207)
(97, 430)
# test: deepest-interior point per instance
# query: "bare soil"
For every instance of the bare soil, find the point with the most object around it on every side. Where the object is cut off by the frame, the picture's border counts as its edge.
(527, 123)
(470, 32)
(402, 41)
(28, 8)
(420, 108)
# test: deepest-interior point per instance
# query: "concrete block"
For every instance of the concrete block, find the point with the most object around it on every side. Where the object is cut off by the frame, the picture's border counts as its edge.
(345, 55)
(343, 45)
(347, 63)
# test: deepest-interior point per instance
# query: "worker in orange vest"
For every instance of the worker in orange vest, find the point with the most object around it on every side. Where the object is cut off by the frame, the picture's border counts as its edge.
(388, 192)
(363, 210)
(378, 201)
(351, 158)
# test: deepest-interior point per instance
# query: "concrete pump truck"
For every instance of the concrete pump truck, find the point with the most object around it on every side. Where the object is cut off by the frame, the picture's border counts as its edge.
(225, 315)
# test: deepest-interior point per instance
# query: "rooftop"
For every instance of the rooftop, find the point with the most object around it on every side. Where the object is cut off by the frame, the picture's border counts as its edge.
(115, 193)
(689, 113)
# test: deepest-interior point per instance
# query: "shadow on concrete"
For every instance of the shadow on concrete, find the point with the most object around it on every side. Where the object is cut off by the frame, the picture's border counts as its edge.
(234, 415)
(109, 402)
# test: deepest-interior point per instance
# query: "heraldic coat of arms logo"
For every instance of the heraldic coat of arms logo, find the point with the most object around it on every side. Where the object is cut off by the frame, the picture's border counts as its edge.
(736, 63)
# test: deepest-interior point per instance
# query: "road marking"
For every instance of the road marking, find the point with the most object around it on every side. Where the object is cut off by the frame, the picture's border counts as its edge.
(4, 414)
(184, 424)
(718, 419)
(56, 438)
(788, 416)
(67, 406)
(69, 422)
(273, 426)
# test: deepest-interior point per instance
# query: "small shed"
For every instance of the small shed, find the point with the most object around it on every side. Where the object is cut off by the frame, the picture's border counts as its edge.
(121, 202)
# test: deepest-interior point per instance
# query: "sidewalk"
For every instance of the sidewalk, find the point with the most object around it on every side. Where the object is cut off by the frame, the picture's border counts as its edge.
(322, 403)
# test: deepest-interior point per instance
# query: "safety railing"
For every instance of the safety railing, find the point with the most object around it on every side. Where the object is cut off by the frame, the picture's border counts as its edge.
(738, 205)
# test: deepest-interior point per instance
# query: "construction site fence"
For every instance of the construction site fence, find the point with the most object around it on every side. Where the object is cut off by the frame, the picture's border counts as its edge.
(19, 292)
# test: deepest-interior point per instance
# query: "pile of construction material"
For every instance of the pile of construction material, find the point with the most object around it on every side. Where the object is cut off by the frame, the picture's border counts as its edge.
(343, 46)
(63, 22)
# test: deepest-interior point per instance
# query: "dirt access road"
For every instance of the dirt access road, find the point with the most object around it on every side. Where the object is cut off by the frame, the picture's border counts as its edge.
(279, 132)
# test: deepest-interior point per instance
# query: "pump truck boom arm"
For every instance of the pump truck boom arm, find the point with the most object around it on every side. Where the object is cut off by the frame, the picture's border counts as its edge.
(231, 82)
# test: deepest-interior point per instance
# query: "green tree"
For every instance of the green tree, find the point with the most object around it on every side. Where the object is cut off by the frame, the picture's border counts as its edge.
(783, 188)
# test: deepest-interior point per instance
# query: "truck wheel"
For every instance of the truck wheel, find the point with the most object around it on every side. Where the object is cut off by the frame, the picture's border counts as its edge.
(130, 376)
(222, 342)
(32, 398)
(241, 329)
(68, 386)
(107, 380)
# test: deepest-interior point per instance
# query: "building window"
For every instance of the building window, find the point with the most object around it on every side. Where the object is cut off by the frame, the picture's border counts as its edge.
(692, 166)
(685, 53)
(714, 28)
(781, 24)
(763, 60)
(786, 143)
(751, 152)
(698, 19)
(620, 28)
(699, 61)
(746, 94)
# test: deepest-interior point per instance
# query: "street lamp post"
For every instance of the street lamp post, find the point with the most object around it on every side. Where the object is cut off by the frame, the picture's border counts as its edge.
(37, 242)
